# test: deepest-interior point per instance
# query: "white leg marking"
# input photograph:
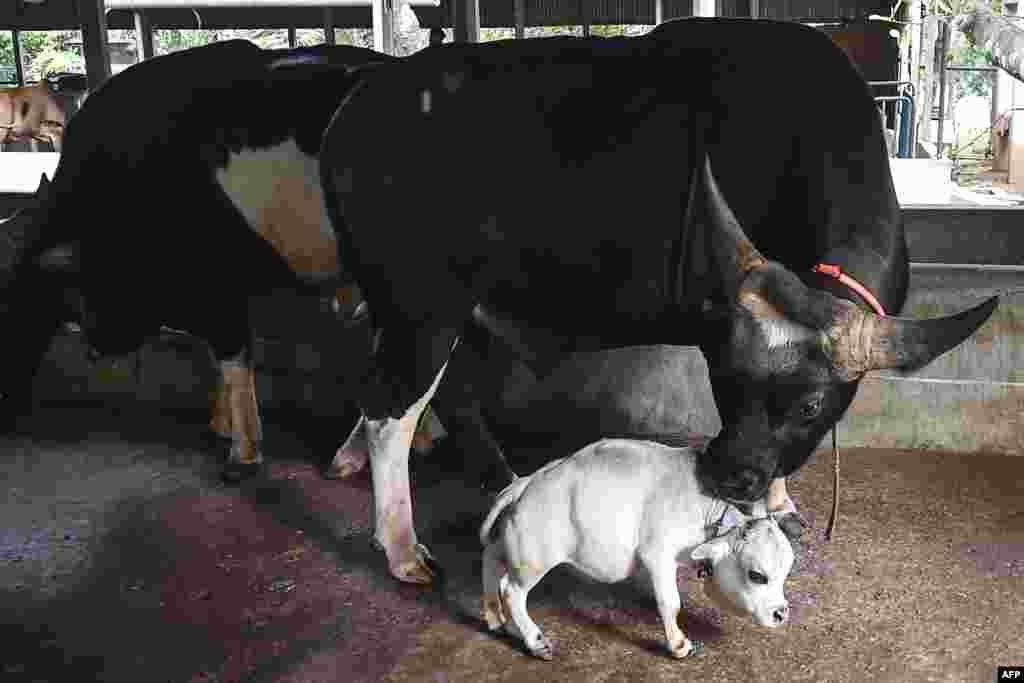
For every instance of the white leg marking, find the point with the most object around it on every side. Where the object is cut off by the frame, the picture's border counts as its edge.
(389, 441)
(777, 495)
(353, 455)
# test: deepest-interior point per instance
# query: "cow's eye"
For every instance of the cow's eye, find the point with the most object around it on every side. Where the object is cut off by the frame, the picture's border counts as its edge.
(811, 409)
(757, 577)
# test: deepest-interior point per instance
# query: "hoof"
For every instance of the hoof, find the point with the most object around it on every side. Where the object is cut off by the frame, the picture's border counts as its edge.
(419, 569)
(541, 648)
(696, 650)
(346, 463)
(235, 472)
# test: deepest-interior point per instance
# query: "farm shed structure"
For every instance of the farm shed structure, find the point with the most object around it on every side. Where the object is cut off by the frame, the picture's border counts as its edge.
(865, 43)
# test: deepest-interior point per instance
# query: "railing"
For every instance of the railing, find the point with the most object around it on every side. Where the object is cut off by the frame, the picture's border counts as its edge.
(899, 109)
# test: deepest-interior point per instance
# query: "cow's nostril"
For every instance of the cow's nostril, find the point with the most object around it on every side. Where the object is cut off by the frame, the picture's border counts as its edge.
(780, 615)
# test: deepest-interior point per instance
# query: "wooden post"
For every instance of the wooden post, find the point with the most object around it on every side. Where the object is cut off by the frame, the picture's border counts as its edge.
(520, 9)
(143, 36)
(19, 64)
(383, 27)
(329, 37)
(94, 41)
(467, 21)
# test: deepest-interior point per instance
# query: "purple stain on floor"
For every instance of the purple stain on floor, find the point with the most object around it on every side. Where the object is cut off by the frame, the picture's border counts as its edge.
(995, 559)
(39, 545)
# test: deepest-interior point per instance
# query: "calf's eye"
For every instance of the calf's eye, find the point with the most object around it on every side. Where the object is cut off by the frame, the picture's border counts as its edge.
(757, 577)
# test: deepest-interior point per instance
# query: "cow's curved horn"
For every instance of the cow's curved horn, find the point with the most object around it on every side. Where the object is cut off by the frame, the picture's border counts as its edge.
(734, 253)
(905, 344)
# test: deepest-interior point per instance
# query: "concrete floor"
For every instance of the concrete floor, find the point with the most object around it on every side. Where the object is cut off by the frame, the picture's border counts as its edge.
(123, 558)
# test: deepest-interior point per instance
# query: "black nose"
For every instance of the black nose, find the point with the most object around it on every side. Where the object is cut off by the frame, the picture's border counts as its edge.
(780, 615)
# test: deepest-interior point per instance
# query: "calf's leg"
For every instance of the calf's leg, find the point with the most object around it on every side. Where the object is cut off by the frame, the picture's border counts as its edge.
(663, 579)
(493, 570)
(515, 587)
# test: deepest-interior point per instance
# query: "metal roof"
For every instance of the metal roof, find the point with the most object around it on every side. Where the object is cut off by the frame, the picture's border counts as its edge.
(62, 14)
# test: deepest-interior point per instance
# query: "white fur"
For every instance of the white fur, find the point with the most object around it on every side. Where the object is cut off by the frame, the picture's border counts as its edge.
(612, 506)
(277, 189)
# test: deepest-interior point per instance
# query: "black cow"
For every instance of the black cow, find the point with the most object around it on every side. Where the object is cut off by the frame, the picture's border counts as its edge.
(587, 205)
(187, 184)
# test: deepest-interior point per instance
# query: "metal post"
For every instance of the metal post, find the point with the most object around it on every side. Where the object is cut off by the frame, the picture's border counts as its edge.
(329, 37)
(292, 38)
(143, 36)
(94, 41)
(584, 18)
(755, 9)
(520, 9)
(941, 66)
(383, 27)
(467, 21)
(19, 65)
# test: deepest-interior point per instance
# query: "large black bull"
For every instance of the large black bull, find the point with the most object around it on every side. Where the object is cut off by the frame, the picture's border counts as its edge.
(676, 188)
(187, 184)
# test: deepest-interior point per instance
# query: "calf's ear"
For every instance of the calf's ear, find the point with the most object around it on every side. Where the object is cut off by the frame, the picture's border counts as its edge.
(714, 550)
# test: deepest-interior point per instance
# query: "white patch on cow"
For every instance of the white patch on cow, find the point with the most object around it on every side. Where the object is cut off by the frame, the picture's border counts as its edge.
(779, 333)
(425, 103)
(277, 190)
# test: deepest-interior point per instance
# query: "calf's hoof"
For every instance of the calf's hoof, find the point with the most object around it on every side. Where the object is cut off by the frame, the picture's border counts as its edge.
(696, 649)
(541, 647)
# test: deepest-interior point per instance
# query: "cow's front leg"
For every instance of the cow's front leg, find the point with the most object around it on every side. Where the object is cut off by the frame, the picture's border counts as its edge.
(242, 417)
(779, 501)
(389, 442)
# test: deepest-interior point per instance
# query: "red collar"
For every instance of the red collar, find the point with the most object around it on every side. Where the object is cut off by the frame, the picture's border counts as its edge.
(837, 273)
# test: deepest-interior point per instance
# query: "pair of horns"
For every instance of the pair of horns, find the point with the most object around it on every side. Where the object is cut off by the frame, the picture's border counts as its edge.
(859, 340)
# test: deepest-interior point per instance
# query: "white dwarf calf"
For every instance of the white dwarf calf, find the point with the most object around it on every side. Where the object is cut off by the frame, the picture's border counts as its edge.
(617, 505)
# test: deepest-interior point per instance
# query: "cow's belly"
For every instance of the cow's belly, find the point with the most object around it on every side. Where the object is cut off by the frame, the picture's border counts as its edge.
(277, 190)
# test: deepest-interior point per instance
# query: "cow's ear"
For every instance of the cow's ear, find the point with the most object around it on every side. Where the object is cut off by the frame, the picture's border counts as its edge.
(714, 550)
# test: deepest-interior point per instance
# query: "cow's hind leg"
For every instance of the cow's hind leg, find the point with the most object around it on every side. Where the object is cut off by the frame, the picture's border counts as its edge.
(401, 362)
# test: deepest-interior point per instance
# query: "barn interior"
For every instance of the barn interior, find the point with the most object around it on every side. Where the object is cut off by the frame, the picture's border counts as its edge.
(125, 557)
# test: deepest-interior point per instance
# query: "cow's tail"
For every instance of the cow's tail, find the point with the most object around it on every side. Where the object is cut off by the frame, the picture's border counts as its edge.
(508, 497)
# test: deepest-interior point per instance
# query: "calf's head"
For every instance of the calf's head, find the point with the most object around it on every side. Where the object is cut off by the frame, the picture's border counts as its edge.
(750, 564)
(785, 358)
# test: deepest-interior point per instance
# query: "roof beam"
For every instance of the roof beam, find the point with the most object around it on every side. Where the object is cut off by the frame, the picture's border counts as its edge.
(94, 41)
(247, 4)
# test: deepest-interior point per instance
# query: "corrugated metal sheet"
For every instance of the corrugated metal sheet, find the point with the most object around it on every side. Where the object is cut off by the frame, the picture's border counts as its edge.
(61, 14)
